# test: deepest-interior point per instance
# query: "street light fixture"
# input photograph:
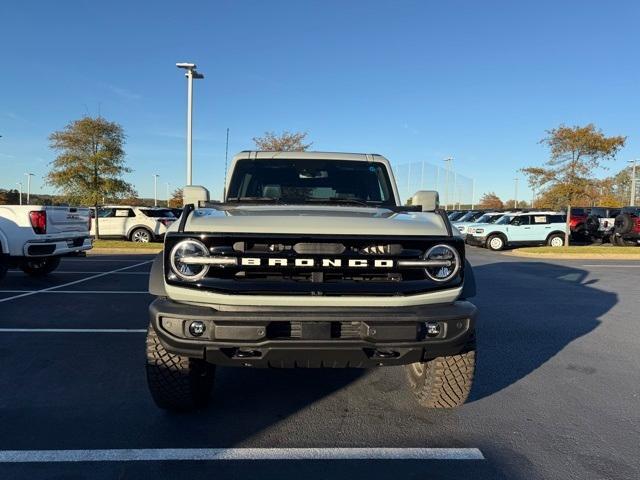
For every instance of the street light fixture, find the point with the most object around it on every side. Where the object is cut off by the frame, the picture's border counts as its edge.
(155, 189)
(191, 74)
(29, 175)
(633, 181)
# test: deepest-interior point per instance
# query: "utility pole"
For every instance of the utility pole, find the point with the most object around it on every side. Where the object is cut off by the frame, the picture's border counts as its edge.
(155, 189)
(226, 159)
(515, 199)
(20, 190)
(473, 192)
(633, 182)
(191, 75)
(447, 161)
(29, 175)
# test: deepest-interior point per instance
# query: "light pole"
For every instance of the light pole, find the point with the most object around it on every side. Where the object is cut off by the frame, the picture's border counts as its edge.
(168, 184)
(448, 161)
(473, 192)
(515, 199)
(29, 175)
(20, 190)
(633, 181)
(191, 75)
(155, 189)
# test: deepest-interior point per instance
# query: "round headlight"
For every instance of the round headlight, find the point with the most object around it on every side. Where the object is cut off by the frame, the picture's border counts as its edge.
(189, 248)
(451, 259)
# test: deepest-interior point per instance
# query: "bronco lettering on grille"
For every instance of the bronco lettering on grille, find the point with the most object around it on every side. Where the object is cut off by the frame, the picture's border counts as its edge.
(310, 262)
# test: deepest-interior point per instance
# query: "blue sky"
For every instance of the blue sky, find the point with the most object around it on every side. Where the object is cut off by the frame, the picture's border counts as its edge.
(479, 81)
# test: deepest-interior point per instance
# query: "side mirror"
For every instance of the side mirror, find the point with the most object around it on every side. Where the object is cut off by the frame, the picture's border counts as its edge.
(428, 199)
(194, 194)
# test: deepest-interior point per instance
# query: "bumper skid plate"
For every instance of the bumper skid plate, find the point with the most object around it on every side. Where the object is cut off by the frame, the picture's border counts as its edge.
(338, 337)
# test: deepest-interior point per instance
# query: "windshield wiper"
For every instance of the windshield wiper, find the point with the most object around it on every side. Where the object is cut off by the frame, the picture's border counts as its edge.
(253, 199)
(345, 201)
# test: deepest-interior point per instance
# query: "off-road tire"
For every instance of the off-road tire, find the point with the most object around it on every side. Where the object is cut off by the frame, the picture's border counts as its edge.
(176, 382)
(141, 235)
(551, 239)
(38, 267)
(623, 224)
(444, 382)
(496, 248)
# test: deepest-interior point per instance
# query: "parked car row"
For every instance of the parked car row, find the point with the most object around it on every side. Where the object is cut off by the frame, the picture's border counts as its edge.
(34, 238)
(499, 229)
(518, 229)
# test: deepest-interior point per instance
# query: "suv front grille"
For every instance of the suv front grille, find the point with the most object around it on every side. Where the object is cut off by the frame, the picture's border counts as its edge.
(267, 266)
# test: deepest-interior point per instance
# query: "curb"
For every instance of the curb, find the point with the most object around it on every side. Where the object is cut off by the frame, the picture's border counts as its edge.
(576, 256)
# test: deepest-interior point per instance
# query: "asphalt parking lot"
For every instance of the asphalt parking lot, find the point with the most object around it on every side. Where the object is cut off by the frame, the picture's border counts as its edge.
(556, 394)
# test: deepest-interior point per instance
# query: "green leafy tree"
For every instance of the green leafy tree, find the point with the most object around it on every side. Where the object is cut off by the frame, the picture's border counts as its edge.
(90, 163)
(283, 142)
(575, 153)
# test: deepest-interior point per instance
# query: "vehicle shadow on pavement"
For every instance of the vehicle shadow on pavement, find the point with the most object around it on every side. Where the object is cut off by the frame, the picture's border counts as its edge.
(530, 311)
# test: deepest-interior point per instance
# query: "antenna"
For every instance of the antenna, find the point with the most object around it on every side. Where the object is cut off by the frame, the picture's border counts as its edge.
(226, 158)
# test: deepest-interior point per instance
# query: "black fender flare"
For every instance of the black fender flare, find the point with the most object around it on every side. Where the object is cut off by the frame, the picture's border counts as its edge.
(469, 287)
(156, 277)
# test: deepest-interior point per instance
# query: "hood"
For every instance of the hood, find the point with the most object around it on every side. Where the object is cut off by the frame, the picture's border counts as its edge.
(313, 219)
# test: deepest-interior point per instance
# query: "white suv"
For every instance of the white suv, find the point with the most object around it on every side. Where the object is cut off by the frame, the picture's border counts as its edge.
(138, 224)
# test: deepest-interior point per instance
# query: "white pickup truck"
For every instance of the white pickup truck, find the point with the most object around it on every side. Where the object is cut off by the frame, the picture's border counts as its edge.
(33, 238)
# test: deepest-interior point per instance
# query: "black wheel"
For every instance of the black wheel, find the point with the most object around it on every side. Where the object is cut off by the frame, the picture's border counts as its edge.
(444, 382)
(495, 243)
(177, 382)
(37, 267)
(556, 240)
(141, 235)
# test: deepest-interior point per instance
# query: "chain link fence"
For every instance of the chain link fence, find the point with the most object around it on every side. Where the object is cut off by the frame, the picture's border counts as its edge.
(455, 190)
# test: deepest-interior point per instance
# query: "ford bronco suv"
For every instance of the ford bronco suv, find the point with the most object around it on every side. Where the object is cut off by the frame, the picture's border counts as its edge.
(518, 229)
(310, 261)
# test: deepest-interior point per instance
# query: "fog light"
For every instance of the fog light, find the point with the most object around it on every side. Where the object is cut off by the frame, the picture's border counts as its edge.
(196, 328)
(433, 329)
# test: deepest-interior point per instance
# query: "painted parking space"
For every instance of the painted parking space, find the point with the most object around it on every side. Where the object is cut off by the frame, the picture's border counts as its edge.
(555, 340)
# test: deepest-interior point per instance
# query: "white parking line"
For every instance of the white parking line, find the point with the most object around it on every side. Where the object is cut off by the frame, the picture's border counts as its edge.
(609, 265)
(81, 272)
(199, 454)
(73, 330)
(76, 291)
(74, 282)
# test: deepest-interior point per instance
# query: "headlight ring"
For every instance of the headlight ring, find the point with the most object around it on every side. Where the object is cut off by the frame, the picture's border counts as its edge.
(191, 248)
(442, 274)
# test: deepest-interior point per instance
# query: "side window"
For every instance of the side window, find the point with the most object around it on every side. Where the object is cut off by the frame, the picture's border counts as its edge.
(539, 219)
(122, 212)
(105, 212)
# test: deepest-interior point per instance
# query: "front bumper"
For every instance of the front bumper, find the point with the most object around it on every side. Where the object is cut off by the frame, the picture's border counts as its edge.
(48, 247)
(476, 241)
(314, 337)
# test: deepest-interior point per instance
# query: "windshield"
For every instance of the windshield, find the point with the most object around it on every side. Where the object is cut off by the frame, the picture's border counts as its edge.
(505, 220)
(158, 213)
(311, 181)
(469, 217)
(488, 218)
(455, 216)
